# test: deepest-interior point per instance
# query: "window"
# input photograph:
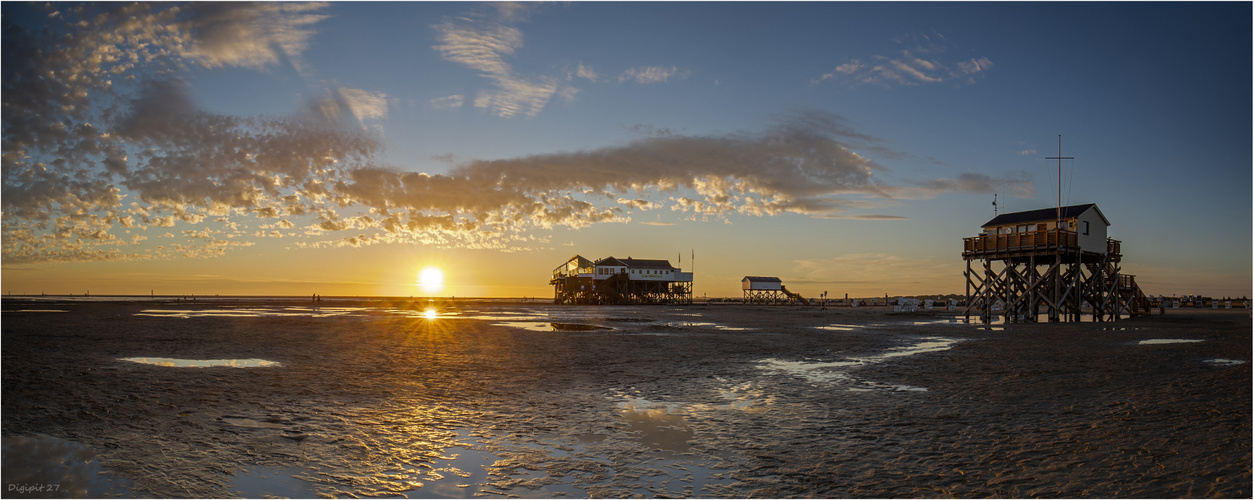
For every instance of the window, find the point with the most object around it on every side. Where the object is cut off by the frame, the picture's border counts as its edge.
(1086, 227)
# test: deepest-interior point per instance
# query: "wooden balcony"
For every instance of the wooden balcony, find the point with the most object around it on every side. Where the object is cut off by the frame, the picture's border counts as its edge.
(1019, 244)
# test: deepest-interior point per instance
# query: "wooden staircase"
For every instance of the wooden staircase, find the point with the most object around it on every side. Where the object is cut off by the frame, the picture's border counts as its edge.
(1131, 297)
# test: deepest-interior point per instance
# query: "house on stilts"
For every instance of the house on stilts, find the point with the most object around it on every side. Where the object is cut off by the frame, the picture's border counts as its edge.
(1056, 262)
(620, 281)
(768, 290)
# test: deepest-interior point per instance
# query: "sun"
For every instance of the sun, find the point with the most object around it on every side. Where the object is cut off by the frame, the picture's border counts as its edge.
(431, 280)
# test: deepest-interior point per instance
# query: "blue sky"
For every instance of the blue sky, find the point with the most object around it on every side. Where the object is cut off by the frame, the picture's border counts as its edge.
(845, 147)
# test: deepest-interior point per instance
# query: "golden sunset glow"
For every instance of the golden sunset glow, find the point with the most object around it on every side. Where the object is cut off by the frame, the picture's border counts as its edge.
(429, 314)
(431, 280)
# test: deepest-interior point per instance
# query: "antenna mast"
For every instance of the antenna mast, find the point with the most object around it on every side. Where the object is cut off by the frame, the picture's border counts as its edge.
(1060, 158)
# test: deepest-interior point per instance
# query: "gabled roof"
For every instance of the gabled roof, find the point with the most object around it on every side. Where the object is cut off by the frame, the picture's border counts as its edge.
(1044, 215)
(762, 279)
(636, 263)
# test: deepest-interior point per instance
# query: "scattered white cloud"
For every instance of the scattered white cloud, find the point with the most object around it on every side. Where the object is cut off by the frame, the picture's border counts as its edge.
(1028, 152)
(924, 61)
(253, 35)
(652, 74)
(483, 46)
(586, 72)
(449, 102)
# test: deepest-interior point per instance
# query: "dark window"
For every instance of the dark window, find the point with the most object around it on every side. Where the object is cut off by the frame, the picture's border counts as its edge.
(1086, 227)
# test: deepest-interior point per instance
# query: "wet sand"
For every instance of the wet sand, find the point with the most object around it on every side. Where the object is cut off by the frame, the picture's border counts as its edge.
(723, 401)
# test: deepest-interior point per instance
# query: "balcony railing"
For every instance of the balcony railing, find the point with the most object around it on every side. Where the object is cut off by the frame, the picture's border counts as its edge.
(570, 271)
(1047, 239)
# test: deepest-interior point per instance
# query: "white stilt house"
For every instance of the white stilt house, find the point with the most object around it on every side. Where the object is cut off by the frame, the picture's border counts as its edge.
(1059, 260)
(620, 281)
(768, 290)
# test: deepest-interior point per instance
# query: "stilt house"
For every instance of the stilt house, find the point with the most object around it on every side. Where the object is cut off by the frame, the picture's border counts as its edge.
(620, 281)
(768, 290)
(1056, 260)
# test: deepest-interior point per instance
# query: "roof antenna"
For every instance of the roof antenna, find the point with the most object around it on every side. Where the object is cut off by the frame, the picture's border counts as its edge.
(1060, 158)
(994, 204)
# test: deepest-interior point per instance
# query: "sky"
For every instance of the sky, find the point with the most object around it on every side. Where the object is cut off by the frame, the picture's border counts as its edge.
(342, 148)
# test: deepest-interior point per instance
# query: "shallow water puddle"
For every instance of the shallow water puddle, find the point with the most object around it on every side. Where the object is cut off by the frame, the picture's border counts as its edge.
(36, 310)
(930, 344)
(540, 326)
(656, 427)
(256, 312)
(832, 371)
(264, 482)
(576, 327)
(811, 371)
(1167, 341)
(532, 326)
(839, 327)
(49, 467)
(1224, 362)
(467, 470)
(205, 363)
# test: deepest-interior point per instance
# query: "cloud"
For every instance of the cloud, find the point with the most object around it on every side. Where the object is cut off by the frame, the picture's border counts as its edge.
(652, 74)
(585, 72)
(924, 62)
(94, 113)
(343, 103)
(483, 46)
(102, 140)
(250, 35)
(1017, 183)
(449, 102)
(1028, 152)
(877, 217)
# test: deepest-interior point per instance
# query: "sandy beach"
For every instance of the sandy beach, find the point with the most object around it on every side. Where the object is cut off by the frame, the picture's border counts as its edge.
(498, 399)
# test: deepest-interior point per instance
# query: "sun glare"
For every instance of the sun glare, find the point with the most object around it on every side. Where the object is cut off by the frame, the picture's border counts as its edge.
(430, 314)
(431, 280)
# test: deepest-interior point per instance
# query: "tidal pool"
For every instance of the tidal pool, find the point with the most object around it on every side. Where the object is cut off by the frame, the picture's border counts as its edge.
(205, 363)
(1167, 341)
(50, 467)
(837, 371)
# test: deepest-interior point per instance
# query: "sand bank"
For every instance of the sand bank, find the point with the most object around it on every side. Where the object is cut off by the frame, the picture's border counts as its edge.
(376, 399)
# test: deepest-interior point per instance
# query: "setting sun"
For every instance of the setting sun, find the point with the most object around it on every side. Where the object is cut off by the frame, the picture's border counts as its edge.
(431, 280)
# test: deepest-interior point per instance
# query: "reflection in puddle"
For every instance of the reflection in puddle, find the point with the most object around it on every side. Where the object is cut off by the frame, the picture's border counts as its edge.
(839, 328)
(205, 363)
(657, 427)
(576, 327)
(37, 310)
(263, 482)
(832, 371)
(931, 344)
(49, 467)
(812, 371)
(542, 326)
(1167, 341)
(532, 326)
(253, 312)
(1224, 362)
